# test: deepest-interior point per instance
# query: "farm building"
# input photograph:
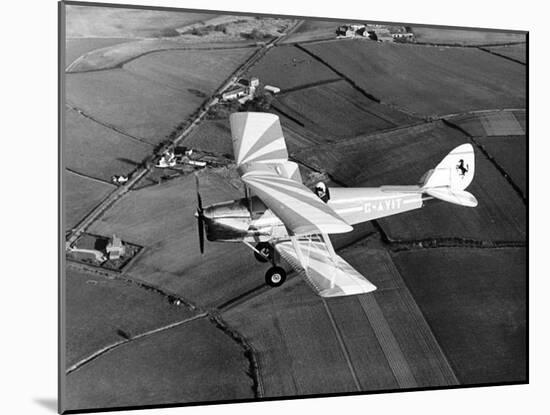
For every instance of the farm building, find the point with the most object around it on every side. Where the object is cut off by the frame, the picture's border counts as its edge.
(234, 93)
(115, 248)
(272, 89)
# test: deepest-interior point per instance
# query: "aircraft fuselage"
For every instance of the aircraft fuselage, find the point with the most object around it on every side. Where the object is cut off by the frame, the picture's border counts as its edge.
(248, 219)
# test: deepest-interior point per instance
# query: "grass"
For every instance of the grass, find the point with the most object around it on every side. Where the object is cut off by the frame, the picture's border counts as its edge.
(289, 67)
(213, 136)
(85, 21)
(517, 52)
(193, 362)
(313, 30)
(97, 151)
(474, 301)
(77, 47)
(496, 123)
(81, 195)
(294, 341)
(99, 309)
(428, 81)
(179, 69)
(155, 93)
(402, 157)
(510, 153)
(160, 218)
(464, 36)
(337, 110)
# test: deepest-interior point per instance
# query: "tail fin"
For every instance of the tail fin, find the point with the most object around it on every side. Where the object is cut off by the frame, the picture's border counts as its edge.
(450, 177)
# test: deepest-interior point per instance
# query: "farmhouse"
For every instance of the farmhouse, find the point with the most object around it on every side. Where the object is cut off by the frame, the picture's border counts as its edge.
(115, 248)
(234, 93)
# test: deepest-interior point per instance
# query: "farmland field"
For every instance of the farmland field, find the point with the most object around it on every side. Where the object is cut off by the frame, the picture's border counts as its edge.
(464, 36)
(81, 195)
(509, 152)
(117, 55)
(289, 67)
(497, 123)
(427, 80)
(102, 311)
(77, 47)
(97, 151)
(192, 362)
(378, 344)
(213, 136)
(313, 30)
(141, 108)
(401, 157)
(150, 98)
(85, 21)
(474, 301)
(337, 110)
(517, 52)
(177, 69)
(160, 218)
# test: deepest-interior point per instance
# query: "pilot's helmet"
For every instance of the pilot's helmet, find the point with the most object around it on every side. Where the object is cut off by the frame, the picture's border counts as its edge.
(320, 189)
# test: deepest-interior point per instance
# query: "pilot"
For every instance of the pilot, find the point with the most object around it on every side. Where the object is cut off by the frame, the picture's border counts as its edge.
(322, 191)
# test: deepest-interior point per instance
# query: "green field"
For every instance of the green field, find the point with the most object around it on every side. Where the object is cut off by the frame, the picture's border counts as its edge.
(450, 36)
(289, 67)
(428, 80)
(102, 311)
(337, 110)
(474, 301)
(97, 151)
(192, 362)
(81, 195)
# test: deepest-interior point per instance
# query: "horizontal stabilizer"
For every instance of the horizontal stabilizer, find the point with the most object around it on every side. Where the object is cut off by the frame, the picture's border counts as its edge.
(458, 197)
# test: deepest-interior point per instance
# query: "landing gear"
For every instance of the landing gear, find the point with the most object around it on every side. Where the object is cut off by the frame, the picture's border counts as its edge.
(275, 276)
(265, 250)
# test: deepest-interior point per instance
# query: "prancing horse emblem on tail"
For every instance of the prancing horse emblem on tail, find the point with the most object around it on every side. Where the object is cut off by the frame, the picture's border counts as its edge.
(462, 170)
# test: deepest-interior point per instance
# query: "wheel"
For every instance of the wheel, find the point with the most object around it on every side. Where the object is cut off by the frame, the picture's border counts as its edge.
(275, 276)
(265, 249)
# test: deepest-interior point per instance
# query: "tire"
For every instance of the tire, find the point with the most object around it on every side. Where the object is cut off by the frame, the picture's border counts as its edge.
(264, 248)
(275, 276)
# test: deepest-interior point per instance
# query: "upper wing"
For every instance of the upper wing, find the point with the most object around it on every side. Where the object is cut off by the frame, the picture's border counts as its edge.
(327, 273)
(257, 137)
(301, 211)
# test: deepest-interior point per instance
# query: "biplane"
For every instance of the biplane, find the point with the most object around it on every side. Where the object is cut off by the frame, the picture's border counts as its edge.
(280, 218)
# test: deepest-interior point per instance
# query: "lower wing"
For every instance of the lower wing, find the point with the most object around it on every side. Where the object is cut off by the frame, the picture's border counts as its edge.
(327, 273)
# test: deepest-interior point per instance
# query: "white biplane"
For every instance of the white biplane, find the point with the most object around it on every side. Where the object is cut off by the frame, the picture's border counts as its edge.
(279, 217)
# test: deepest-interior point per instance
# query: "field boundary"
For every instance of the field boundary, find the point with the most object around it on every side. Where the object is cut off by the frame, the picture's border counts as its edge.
(501, 170)
(359, 88)
(115, 345)
(120, 65)
(502, 56)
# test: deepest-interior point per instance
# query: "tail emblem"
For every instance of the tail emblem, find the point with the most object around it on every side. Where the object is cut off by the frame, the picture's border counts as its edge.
(462, 170)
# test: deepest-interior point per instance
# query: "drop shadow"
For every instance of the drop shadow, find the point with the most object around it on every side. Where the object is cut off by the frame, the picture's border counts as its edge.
(48, 403)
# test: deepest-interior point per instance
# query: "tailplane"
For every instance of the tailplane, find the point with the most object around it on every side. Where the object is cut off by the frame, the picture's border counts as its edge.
(449, 178)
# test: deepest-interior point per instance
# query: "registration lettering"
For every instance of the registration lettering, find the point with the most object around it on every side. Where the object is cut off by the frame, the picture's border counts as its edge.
(382, 205)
